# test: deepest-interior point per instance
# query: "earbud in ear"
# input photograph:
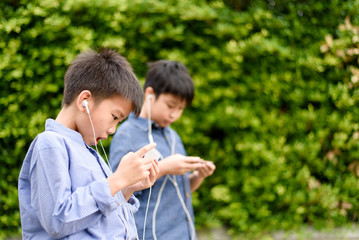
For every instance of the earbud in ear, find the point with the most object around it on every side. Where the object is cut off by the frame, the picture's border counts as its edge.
(149, 96)
(85, 104)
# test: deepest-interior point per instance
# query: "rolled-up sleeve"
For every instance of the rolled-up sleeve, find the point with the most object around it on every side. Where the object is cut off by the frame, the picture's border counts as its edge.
(133, 204)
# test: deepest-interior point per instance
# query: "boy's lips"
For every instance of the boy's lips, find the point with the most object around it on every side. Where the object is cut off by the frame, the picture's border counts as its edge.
(100, 138)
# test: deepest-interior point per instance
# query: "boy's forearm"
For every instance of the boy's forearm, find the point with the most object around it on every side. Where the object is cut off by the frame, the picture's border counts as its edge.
(163, 169)
(115, 184)
(195, 181)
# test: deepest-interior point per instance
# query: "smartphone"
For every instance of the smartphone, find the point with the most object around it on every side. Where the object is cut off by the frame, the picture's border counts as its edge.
(153, 153)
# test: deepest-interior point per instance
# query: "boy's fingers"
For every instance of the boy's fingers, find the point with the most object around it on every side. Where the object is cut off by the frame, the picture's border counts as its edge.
(144, 150)
(210, 163)
(148, 166)
(195, 166)
(155, 162)
(153, 170)
(194, 160)
(212, 166)
(155, 167)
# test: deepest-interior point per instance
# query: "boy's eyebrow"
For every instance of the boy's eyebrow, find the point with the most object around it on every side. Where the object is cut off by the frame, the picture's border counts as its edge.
(172, 101)
(120, 113)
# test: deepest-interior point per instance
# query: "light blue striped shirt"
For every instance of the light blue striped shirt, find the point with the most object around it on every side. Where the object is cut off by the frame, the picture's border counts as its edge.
(63, 192)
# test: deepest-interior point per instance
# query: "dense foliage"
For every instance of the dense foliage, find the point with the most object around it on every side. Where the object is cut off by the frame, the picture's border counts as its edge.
(275, 106)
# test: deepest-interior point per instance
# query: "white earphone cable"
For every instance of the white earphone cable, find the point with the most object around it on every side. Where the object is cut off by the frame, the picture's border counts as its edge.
(122, 206)
(149, 123)
(156, 208)
(94, 138)
(144, 223)
(150, 138)
(173, 180)
(108, 163)
(93, 130)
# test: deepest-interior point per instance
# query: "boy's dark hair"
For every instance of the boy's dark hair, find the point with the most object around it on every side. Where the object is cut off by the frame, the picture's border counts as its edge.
(170, 77)
(104, 74)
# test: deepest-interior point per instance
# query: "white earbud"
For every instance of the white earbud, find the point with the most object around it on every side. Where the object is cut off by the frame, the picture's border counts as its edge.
(85, 104)
(149, 96)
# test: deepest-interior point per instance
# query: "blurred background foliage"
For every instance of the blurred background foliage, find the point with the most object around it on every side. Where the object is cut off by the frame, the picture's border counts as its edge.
(275, 107)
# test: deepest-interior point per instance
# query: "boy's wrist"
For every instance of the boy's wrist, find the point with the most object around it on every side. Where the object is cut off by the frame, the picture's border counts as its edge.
(127, 192)
(115, 184)
(163, 169)
(196, 175)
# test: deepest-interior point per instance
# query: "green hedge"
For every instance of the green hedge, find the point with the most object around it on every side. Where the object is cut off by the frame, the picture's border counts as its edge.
(275, 105)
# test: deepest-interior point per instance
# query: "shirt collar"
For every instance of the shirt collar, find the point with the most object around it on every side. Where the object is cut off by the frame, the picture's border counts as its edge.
(142, 123)
(52, 125)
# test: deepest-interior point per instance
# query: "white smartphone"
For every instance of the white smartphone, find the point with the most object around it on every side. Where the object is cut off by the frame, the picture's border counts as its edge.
(153, 153)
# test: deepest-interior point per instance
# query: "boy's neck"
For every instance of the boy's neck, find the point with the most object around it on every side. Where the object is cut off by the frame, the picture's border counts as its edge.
(66, 117)
(143, 113)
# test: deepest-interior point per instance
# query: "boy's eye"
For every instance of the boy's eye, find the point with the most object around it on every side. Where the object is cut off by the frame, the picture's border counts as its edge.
(114, 117)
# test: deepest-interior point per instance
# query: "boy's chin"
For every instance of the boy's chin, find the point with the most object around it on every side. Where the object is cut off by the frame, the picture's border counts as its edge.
(91, 142)
(165, 124)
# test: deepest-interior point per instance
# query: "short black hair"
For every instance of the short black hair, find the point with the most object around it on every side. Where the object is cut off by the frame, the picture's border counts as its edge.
(104, 74)
(166, 76)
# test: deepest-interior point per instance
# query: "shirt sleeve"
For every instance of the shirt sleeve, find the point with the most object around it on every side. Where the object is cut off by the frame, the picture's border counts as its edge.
(133, 204)
(61, 210)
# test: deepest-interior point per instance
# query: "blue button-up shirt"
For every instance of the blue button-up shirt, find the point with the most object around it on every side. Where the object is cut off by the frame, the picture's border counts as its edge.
(63, 192)
(171, 221)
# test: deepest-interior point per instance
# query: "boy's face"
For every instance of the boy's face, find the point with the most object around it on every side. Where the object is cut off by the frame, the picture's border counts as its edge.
(105, 116)
(167, 108)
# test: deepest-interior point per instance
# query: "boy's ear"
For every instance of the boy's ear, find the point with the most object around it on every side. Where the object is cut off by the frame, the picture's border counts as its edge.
(149, 93)
(85, 95)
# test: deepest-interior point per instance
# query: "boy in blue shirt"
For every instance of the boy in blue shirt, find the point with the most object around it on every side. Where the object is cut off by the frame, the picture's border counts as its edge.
(168, 90)
(66, 190)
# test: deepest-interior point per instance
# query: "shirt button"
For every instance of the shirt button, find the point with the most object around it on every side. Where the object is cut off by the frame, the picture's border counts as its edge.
(187, 195)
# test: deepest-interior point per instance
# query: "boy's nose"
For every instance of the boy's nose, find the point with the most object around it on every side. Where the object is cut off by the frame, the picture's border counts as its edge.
(174, 114)
(111, 130)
